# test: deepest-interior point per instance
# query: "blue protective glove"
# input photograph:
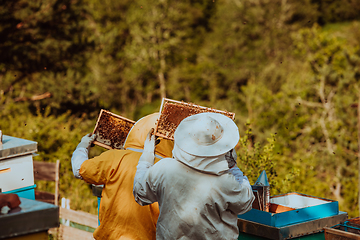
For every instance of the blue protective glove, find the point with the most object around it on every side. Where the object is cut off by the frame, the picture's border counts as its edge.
(231, 157)
(86, 141)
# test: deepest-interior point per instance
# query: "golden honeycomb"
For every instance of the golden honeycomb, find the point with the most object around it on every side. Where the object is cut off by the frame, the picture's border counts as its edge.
(111, 130)
(174, 112)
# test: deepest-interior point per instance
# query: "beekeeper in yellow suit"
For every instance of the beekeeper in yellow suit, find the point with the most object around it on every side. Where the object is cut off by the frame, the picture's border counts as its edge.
(120, 216)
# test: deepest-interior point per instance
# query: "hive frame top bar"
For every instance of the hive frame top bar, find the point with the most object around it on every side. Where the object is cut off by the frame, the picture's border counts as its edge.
(191, 104)
(167, 100)
(117, 116)
(97, 123)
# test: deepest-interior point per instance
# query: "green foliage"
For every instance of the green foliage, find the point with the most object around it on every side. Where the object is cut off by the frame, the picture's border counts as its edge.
(40, 35)
(278, 65)
(40, 43)
(336, 11)
(313, 118)
(57, 138)
(255, 157)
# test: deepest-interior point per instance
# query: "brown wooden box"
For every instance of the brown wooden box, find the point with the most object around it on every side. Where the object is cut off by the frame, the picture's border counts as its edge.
(349, 230)
(111, 130)
(172, 112)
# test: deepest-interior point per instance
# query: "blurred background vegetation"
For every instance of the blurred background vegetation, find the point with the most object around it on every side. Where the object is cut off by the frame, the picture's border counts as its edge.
(289, 69)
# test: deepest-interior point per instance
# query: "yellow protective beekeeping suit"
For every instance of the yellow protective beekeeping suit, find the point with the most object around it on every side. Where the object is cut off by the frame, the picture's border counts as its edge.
(120, 216)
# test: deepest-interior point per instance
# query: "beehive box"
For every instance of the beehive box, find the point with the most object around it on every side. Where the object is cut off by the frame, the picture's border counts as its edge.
(300, 208)
(16, 166)
(348, 230)
(172, 112)
(313, 229)
(28, 220)
(111, 130)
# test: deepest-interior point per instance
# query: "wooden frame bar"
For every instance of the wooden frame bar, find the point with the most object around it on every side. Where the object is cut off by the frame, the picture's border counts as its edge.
(336, 234)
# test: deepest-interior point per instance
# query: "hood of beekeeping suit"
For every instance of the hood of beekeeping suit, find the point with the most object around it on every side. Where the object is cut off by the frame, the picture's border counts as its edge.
(139, 131)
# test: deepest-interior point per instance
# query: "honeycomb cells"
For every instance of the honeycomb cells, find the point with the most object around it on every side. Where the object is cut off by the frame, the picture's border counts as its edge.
(173, 113)
(112, 131)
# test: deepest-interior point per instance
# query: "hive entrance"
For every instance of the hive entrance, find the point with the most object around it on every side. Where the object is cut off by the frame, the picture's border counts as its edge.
(173, 112)
(111, 130)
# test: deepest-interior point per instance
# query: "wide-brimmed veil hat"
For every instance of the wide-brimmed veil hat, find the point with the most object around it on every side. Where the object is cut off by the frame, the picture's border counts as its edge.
(206, 134)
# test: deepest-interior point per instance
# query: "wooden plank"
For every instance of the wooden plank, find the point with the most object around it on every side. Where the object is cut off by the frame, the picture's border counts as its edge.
(57, 182)
(47, 171)
(70, 233)
(44, 171)
(195, 105)
(54, 232)
(336, 234)
(32, 236)
(79, 217)
(102, 145)
(45, 197)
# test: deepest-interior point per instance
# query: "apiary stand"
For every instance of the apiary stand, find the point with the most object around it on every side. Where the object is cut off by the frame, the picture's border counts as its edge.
(16, 166)
(31, 220)
(306, 218)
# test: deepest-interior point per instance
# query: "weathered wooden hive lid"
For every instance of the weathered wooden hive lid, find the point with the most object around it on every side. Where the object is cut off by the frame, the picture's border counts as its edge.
(13, 147)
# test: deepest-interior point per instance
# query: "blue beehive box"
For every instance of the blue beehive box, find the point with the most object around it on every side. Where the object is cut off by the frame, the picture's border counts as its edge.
(299, 208)
(16, 166)
(25, 192)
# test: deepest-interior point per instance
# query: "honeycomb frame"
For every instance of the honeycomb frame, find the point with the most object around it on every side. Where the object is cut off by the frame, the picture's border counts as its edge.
(172, 112)
(111, 130)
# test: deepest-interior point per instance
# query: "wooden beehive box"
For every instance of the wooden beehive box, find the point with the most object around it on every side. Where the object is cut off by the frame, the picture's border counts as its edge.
(16, 166)
(297, 208)
(349, 230)
(172, 112)
(111, 130)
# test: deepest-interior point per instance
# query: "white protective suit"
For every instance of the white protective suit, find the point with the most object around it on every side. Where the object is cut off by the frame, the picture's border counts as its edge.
(199, 197)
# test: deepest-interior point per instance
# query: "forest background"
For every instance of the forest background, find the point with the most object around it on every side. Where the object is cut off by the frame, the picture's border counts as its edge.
(289, 69)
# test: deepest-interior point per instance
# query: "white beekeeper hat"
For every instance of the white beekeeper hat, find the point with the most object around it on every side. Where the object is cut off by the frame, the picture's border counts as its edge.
(206, 134)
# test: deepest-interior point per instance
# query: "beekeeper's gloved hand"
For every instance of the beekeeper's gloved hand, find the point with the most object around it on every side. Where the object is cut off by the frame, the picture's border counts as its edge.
(86, 141)
(233, 168)
(231, 158)
(81, 153)
(148, 154)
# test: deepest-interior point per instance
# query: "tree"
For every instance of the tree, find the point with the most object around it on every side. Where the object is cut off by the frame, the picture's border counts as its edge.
(40, 42)
(316, 127)
(247, 41)
(163, 36)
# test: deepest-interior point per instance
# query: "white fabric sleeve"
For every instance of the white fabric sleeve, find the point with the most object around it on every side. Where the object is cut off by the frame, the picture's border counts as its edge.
(244, 196)
(141, 169)
(79, 156)
(238, 174)
(142, 190)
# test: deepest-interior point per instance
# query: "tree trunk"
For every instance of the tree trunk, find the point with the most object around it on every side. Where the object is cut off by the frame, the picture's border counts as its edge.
(161, 74)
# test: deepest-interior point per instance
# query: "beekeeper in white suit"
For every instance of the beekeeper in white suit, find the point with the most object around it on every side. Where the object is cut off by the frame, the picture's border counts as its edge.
(200, 190)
